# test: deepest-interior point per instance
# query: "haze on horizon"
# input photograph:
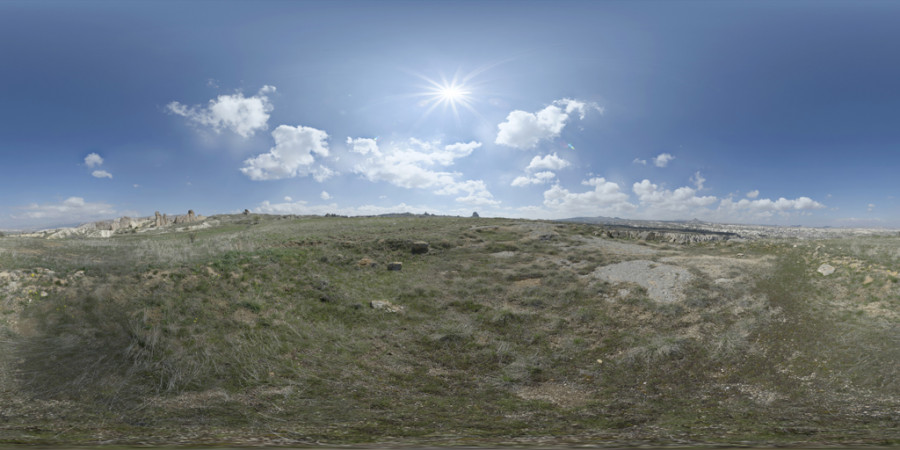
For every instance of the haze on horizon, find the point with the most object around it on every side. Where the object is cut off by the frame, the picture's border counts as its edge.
(740, 112)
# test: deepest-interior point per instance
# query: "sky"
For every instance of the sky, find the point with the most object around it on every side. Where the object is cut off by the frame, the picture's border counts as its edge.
(762, 112)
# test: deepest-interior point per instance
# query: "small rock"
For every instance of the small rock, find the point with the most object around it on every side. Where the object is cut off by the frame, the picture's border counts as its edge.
(395, 266)
(365, 262)
(419, 247)
(825, 269)
(384, 305)
(740, 255)
(868, 280)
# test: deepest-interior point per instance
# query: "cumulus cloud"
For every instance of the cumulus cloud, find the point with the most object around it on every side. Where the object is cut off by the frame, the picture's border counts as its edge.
(525, 130)
(71, 211)
(93, 160)
(870, 207)
(662, 160)
(682, 199)
(606, 198)
(766, 207)
(303, 208)
(753, 194)
(642, 162)
(411, 165)
(242, 115)
(292, 155)
(549, 162)
(538, 178)
(698, 180)
(323, 173)
(325, 195)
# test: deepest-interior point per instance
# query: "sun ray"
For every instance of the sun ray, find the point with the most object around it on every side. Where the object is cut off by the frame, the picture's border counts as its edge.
(452, 94)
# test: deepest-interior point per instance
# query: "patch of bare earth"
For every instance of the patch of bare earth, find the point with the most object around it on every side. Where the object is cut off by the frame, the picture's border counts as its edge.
(664, 283)
(561, 394)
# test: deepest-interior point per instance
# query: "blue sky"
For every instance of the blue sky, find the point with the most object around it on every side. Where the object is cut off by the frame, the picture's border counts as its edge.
(748, 112)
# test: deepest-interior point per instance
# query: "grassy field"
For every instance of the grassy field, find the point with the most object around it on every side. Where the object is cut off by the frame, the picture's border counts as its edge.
(262, 330)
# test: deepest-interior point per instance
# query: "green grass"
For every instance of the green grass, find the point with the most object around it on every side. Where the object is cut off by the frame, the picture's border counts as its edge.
(262, 327)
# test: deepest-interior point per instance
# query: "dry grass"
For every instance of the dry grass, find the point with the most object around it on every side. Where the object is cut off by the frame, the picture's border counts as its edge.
(261, 328)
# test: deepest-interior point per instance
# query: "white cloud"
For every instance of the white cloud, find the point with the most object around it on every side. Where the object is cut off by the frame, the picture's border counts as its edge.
(642, 162)
(766, 207)
(549, 162)
(538, 178)
(302, 208)
(242, 115)
(409, 165)
(93, 160)
(753, 194)
(101, 174)
(288, 198)
(323, 173)
(870, 207)
(698, 180)
(606, 198)
(662, 160)
(291, 156)
(524, 129)
(657, 200)
(73, 210)
(324, 196)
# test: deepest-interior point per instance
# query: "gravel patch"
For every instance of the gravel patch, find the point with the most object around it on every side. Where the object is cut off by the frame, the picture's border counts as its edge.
(664, 283)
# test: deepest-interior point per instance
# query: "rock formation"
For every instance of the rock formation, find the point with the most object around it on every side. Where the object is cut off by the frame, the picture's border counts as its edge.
(419, 247)
(159, 219)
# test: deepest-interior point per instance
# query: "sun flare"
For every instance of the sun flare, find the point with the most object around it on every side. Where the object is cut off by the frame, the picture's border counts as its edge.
(451, 94)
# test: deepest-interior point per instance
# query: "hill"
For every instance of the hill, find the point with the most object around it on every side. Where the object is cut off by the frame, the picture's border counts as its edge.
(286, 330)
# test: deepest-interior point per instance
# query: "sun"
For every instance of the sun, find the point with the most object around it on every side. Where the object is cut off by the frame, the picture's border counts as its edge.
(452, 94)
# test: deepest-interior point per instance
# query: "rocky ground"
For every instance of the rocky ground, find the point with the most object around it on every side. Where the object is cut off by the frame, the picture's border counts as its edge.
(411, 330)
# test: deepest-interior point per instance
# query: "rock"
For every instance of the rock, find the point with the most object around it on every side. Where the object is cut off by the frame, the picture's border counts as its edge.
(365, 262)
(395, 266)
(825, 269)
(868, 280)
(159, 219)
(384, 305)
(419, 247)
(246, 212)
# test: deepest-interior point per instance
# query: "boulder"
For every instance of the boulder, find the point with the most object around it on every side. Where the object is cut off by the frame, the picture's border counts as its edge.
(395, 266)
(419, 247)
(825, 269)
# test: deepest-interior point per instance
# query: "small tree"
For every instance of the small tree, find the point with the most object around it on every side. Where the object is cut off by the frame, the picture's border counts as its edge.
(475, 214)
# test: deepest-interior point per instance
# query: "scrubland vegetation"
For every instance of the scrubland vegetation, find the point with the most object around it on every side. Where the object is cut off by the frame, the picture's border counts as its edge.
(261, 330)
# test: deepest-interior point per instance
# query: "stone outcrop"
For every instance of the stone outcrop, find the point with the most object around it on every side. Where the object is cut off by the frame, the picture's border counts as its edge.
(419, 247)
(159, 219)
(674, 237)
(189, 218)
